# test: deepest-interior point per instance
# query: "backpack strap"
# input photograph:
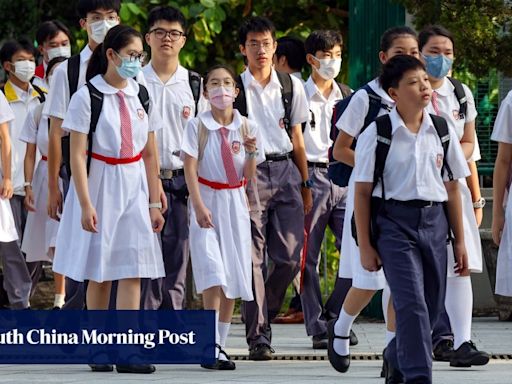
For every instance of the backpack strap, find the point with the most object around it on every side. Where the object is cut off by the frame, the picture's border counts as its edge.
(41, 92)
(460, 94)
(374, 106)
(240, 102)
(96, 106)
(381, 152)
(441, 127)
(144, 98)
(73, 73)
(287, 97)
(202, 139)
(194, 81)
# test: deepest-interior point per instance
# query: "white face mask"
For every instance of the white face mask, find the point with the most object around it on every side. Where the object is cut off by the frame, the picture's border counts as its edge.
(63, 51)
(329, 68)
(100, 28)
(24, 70)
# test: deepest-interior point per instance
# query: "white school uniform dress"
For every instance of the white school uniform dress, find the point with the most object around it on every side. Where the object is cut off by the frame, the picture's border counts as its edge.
(351, 122)
(449, 109)
(503, 133)
(221, 256)
(41, 230)
(8, 231)
(125, 245)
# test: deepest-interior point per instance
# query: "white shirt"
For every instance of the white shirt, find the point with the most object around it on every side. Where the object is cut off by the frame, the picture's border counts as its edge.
(414, 162)
(6, 113)
(265, 107)
(316, 138)
(502, 131)
(449, 109)
(352, 119)
(175, 103)
(35, 130)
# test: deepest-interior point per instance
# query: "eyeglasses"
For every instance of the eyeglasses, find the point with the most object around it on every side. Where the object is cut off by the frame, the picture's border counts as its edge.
(132, 57)
(255, 46)
(96, 18)
(173, 34)
(220, 83)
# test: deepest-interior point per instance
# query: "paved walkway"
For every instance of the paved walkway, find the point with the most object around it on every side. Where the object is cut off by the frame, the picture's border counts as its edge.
(292, 344)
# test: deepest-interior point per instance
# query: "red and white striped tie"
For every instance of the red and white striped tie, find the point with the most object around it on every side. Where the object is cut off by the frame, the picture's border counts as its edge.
(126, 128)
(435, 104)
(227, 158)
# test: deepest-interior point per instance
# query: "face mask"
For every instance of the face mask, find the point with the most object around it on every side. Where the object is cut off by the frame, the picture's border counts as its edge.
(128, 69)
(64, 51)
(438, 66)
(221, 97)
(329, 68)
(24, 70)
(100, 28)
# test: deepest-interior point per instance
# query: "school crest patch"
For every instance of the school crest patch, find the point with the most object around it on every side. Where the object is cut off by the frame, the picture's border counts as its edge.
(457, 115)
(235, 147)
(439, 160)
(186, 112)
(140, 113)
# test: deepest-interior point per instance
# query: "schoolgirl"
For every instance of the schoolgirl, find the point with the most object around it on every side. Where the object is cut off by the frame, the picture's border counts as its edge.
(437, 49)
(401, 223)
(112, 212)
(40, 231)
(395, 41)
(220, 154)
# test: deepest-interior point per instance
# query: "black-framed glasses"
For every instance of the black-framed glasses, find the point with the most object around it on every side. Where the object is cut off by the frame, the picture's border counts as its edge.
(173, 34)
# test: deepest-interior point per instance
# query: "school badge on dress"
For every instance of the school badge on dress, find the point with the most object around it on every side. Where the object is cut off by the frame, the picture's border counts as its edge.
(457, 115)
(140, 113)
(439, 160)
(235, 147)
(186, 112)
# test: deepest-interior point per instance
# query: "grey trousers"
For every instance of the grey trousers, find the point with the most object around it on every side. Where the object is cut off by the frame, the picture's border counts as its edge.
(277, 231)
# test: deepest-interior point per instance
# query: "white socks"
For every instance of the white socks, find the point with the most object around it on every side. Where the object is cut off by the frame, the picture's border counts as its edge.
(389, 336)
(223, 330)
(58, 301)
(459, 306)
(386, 296)
(217, 336)
(342, 328)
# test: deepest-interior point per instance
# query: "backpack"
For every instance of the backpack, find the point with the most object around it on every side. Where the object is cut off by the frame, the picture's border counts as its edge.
(285, 79)
(460, 94)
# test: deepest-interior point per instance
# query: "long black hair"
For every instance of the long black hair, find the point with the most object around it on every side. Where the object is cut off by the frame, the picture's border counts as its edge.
(117, 38)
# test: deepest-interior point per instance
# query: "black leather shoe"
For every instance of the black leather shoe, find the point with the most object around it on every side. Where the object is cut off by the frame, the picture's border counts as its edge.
(467, 355)
(101, 367)
(353, 338)
(261, 352)
(320, 341)
(393, 375)
(338, 362)
(136, 368)
(221, 365)
(443, 350)
(384, 365)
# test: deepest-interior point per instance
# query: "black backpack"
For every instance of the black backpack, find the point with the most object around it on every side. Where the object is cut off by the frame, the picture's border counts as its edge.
(345, 92)
(41, 93)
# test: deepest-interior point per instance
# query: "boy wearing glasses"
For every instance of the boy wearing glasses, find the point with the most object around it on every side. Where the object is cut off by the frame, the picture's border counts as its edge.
(171, 87)
(283, 187)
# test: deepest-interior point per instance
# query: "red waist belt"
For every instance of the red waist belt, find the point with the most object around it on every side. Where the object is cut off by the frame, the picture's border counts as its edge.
(115, 160)
(44, 158)
(215, 185)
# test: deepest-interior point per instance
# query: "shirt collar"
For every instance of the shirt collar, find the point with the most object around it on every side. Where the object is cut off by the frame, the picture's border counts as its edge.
(251, 81)
(180, 75)
(397, 121)
(375, 85)
(212, 125)
(132, 89)
(12, 92)
(312, 89)
(446, 89)
(85, 54)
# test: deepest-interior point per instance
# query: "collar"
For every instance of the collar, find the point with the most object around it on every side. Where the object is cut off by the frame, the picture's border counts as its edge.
(312, 89)
(12, 92)
(252, 82)
(446, 89)
(180, 75)
(375, 85)
(298, 75)
(132, 89)
(397, 121)
(210, 123)
(85, 54)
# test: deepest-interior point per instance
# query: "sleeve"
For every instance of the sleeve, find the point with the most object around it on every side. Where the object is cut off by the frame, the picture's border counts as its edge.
(365, 155)
(154, 119)
(190, 141)
(255, 131)
(351, 120)
(300, 104)
(476, 156)
(502, 131)
(471, 112)
(29, 130)
(455, 159)
(57, 102)
(78, 116)
(6, 113)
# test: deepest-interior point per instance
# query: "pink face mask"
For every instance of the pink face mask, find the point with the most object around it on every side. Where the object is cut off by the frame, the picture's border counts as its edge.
(221, 97)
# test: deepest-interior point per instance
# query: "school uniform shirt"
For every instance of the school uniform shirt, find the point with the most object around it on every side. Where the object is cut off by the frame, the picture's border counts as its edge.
(21, 103)
(414, 162)
(40, 229)
(502, 133)
(8, 231)
(125, 245)
(175, 103)
(265, 107)
(317, 135)
(221, 256)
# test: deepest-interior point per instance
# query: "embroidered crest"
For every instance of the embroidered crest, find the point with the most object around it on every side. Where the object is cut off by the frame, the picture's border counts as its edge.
(439, 160)
(140, 113)
(457, 115)
(186, 112)
(235, 147)
(281, 123)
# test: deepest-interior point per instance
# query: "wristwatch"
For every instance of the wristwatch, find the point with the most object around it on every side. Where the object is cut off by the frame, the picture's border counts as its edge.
(480, 203)
(307, 184)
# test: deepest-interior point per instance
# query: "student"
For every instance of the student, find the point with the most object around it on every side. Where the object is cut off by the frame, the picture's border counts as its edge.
(437, 48)
(172, 88)
(117, 199)
(283, 188)
(53, 40)
(395, 41)
(324, 50)
(402, 217)
(290, 56)
(40, 231)
(216, 173)
(96, 17)
(16, 277)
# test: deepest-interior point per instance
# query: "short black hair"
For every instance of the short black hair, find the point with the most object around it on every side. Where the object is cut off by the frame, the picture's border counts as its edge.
(85, 6)
(49, 29)
(258, 24)
(394, 69)
(323, 40)
(431, 31)
(169, 14)
(390, 35)
(293, 49)
(11, 47)
(215, 67)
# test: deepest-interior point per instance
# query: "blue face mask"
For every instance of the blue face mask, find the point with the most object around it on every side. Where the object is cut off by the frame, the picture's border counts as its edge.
(438, 66)
(128, 68)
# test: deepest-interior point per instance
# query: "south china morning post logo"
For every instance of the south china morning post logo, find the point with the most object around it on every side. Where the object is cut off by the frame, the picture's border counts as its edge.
(113, 337)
